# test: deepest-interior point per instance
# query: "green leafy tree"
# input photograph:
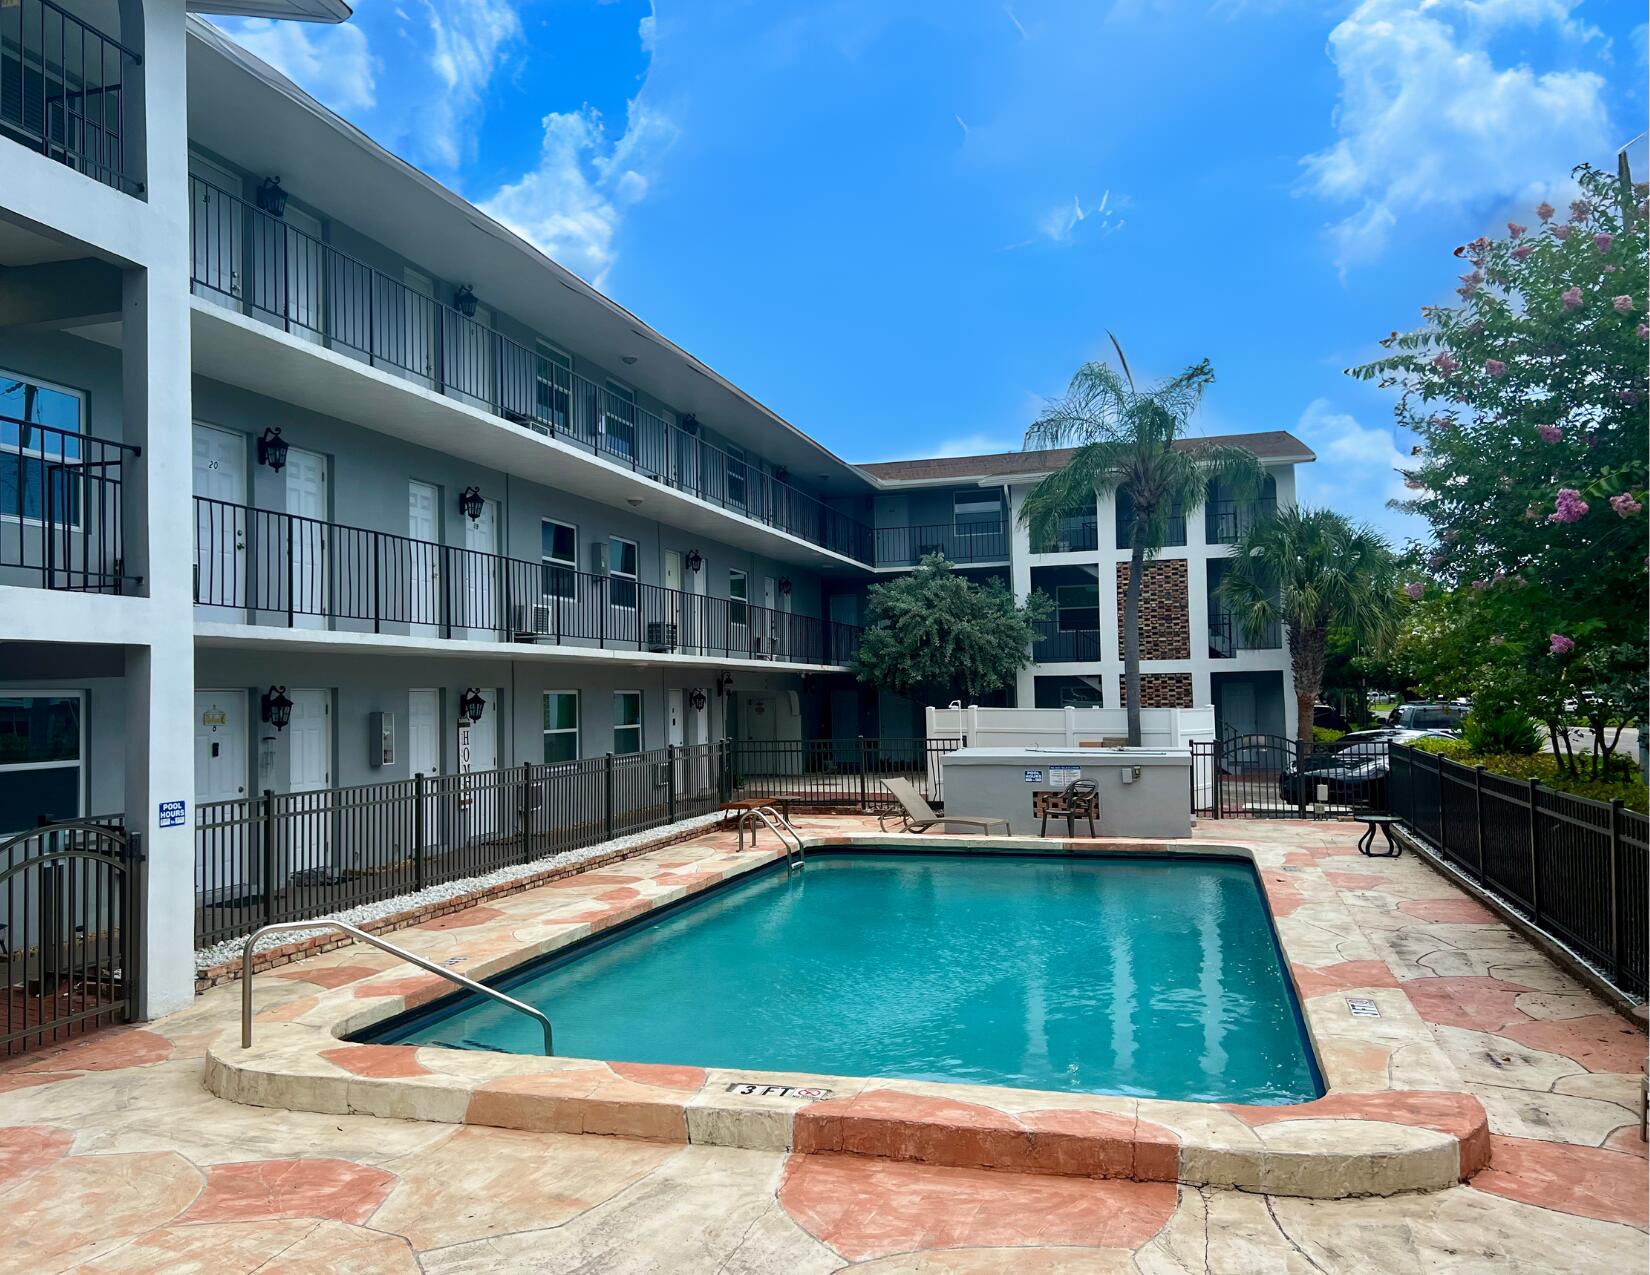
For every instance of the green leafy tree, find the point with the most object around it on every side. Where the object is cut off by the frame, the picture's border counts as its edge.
(938, 636)
(1529, 399)
(1314, 571)
(1133, 442)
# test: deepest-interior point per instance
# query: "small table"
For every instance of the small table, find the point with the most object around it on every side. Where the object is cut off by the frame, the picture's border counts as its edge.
(733, 811)
(1366, 843)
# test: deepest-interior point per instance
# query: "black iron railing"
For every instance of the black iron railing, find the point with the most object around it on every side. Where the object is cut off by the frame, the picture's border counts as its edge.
(63, 90)
(258, 263)
(975, 543)
(1225, 520)
(291, 856)
(263, 567)
(1075, 533)
(1574, 867)
(1227, 637)
(1063, 645)
(60, 508)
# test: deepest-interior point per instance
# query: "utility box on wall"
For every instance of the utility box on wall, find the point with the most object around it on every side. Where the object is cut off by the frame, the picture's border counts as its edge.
(380, 739)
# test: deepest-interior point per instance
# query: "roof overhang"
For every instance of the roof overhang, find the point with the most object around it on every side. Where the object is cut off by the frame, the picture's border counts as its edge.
(287, 10)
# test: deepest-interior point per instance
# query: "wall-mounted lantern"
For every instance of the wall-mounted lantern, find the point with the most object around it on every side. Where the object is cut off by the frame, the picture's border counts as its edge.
(782, 475)
(464, 301)
(272, 449)
(698, 699)
(275, 707)
(690, 424)
(784, 586)
(695, 560)
(724, 684)
(471, 706)
(271, 198)
(470, 503)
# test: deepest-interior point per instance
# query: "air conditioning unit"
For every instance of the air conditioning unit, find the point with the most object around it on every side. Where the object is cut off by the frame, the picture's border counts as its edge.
(598, 559)
(529, 620)
(661, 636)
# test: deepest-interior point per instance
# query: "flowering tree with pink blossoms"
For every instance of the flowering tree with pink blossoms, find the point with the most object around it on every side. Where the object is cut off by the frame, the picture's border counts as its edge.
(1530, 400)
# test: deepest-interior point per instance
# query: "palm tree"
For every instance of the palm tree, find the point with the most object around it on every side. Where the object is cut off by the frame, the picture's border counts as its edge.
(1314, 570)
(1132, 442)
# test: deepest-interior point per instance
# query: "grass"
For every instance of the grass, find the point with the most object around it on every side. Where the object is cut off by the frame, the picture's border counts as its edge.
(1625, 784)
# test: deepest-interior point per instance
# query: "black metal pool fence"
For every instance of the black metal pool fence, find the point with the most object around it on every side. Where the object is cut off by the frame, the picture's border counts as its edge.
(1573, 866)
(292, 856)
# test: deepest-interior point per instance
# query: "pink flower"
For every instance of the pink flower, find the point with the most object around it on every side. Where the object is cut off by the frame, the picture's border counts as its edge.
(1550, 433)
(1623, 304)
(1435, 561)
(1625, 505)
(1445, 363)
(1480, 584)
(1561, 232)
(1495, 367)
(1644, 331)
(1558, 644)
(1629, 397)
(1523, 250)
(1571, 298)
(1415, 589)
(1415, 484)
(1603, 240)
(1544, 210)
(1515, 230)
(1580, 210)
(1571, 507)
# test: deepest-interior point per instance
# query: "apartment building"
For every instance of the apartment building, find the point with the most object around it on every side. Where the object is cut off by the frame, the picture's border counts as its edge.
(314, 481)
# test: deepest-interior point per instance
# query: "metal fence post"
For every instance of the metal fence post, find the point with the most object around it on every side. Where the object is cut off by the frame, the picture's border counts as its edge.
(1300, 775)
(1535, 851)
(420, 832)
(862, 763)
(607, 804)
(1443, 811)
(266, 856)
(1219, 747)
(526, 811)
(1615, 892)
(1478, 817)
(671, 751)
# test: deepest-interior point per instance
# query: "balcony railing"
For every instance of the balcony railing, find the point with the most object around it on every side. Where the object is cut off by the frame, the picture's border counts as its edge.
(63, 90)
(1227, 638)
(257, 263)
(1225, 520)
(260, 567)
(1062, 645)
(1076, 533)
(60, 508)
(906, 546)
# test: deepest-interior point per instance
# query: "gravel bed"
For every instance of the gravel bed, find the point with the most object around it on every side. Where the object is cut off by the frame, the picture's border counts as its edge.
(230, 949)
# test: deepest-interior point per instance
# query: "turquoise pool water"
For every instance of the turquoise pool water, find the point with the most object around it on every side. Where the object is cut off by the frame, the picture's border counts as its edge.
(1158, 977)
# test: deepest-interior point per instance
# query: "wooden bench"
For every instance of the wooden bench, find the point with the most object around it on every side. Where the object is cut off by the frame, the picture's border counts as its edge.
(1366, 843)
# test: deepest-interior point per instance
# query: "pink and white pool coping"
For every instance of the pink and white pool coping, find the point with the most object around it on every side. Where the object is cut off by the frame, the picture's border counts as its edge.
(1395, 1117)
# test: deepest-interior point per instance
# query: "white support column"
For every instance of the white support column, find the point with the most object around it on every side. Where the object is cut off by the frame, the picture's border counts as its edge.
(1019, 570)
(1111, 648)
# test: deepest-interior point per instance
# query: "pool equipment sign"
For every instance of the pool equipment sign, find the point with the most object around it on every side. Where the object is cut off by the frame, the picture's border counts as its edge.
(1362, 1007)
(171, 814)
(1064, 774)
(1034, 776)
(805, 1093)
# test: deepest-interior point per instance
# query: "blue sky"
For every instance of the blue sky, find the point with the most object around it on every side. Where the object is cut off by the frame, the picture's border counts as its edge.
(903, 223)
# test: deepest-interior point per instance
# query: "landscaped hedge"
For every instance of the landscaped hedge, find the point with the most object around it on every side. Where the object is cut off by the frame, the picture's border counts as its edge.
(1626, 786)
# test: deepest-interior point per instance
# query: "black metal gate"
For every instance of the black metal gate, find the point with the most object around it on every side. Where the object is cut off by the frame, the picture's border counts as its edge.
(1274, 777)
(70, 930)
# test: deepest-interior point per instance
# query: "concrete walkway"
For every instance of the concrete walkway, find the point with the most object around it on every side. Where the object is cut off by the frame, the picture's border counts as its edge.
(114, 1158)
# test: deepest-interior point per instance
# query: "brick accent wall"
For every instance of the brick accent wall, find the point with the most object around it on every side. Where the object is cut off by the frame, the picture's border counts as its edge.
(1165, 625)
(1160, 690)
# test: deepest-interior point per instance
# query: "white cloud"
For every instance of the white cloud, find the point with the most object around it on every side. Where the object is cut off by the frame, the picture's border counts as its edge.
(648, 30)
(1427, 118)
(569, 202)
(466, 39)
(332, 62)
(1356, 470)
(1064, 222)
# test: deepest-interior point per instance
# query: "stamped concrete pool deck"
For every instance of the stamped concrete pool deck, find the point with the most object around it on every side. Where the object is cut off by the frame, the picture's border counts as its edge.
(114, 1156)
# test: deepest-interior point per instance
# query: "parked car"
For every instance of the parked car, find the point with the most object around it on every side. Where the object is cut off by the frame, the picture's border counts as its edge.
(1435, 717)
(1326, 718)
(1352, 771)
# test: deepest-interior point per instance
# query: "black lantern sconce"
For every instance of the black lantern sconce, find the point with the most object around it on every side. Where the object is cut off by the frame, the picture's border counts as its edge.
(470, 503)
(690, 424)
(272, 449)
(271, 198)
(784, 586)
(276, 707)
(782, 475)
(695, 561)
(724, 684)
(698, 699)
(464, 301)
(471, 706)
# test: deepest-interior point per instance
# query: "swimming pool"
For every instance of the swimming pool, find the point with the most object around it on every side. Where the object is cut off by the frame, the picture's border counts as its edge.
(1153, 976)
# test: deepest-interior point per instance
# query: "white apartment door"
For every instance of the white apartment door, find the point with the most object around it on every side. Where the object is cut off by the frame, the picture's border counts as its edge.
(782, 625)
(767, 628)
(467, 355)
(418, 320)
(484, 806)
(674, 613)
(481, 566)
(423, 557)
(424, 751)
(215, 233)
(220, 522)
(309, 771)
(307, 585)
(222, 870)
(305, 276)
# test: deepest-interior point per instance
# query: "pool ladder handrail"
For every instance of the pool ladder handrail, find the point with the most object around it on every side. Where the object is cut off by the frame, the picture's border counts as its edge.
(780, 826)
(361, 935)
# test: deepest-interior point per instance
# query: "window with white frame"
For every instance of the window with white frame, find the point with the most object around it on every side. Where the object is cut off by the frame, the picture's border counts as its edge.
(38, 465)
(619, 421)
(739, 592)
(561, 726)
(627, 722)
(736, 476)
(42, 754)
(559, 553)
(621, 569)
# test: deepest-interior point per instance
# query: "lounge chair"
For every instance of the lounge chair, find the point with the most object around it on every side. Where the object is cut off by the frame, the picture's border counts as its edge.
(916, 815)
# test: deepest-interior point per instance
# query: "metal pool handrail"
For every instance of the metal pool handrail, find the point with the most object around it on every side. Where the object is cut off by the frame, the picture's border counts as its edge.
(779, 826)
(360, 934)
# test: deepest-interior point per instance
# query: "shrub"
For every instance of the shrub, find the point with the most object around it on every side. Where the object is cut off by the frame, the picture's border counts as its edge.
(1454, 749)
(1323, 735)
(1502, 730)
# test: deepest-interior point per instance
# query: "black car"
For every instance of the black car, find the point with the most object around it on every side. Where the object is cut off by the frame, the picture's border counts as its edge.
(1350, 772)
